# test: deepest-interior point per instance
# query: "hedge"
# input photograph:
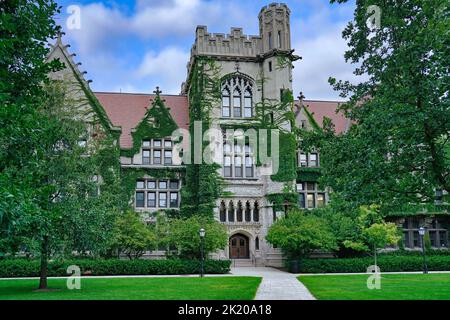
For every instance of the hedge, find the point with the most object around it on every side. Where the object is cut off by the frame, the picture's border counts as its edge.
(30, 268)
(432, 252)
(386, 263)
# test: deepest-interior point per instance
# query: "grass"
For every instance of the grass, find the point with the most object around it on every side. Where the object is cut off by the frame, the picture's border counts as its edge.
(393, 287)
(173, 288)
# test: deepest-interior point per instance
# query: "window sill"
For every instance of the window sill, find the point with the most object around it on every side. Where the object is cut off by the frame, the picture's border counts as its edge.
(238, 179)
(153, 166)
(223, 119)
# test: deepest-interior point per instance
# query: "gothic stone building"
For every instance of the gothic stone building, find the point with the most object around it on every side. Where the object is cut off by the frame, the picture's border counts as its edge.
(243, 59)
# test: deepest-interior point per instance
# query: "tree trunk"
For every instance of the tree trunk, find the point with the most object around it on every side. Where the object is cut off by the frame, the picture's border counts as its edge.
(375, 255)
(44, 263)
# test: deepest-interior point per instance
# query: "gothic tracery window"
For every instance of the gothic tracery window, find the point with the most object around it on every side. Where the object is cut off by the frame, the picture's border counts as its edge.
(239, 212)
(256, 212)
(237, 97)
(248, 212)
(223, 213)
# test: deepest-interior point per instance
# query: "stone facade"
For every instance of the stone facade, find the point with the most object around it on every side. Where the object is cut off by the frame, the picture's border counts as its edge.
(251, 57)
(244, 62)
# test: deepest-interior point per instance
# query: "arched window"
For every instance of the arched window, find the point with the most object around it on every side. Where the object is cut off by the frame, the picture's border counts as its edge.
(248, 103)
(256, 243)
(248, 213)
(237, 94)
(222, 212)
(226, 102)
(239, 212)
(256, 212)
(231, 212)
(237, 105)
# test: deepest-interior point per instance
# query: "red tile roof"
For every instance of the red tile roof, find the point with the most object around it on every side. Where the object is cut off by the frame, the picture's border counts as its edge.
(321, 109)
(126, 110)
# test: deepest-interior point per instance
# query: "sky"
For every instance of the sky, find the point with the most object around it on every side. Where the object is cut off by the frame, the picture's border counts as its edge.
(134, 46)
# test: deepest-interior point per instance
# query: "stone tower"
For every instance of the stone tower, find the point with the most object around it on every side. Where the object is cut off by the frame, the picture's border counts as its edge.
(253, 68)
(276, 55)
(274, 27)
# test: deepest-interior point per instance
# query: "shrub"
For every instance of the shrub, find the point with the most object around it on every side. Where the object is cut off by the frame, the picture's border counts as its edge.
(432, 252)
(132, 236)
(184, 235)
(299, 233)
(387, 263)
(30, 268)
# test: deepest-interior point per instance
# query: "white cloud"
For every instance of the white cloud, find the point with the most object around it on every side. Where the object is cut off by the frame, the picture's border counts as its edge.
(100, 28)
(178, 17)
(318, 40)
(107, 33)
(166, 68)
(103, 27)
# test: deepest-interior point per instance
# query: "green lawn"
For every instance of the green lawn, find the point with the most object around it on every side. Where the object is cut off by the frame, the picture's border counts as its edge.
(393, 287)
(178, 288)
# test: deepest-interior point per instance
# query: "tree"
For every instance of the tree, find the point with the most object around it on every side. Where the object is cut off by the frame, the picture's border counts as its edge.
(400, 136)
(60, 202)
(372, 231)
(379, 235)
(343, 221)
(25, 27)
(299, 233)
(184, 235)
(133, 237)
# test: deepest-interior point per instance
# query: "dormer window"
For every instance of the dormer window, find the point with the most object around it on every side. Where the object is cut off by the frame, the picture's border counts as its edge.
(308, 160)
(157, 151)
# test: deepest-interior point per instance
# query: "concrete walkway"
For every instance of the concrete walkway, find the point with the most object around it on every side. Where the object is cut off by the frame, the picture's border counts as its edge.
(276, 284)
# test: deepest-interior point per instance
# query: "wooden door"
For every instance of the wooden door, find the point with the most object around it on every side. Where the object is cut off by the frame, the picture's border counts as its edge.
(239, 247)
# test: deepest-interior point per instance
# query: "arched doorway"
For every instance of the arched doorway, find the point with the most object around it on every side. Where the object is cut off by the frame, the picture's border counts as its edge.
(239, 246)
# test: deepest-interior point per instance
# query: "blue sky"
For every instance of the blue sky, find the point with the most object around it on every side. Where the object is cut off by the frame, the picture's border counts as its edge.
(133, 46)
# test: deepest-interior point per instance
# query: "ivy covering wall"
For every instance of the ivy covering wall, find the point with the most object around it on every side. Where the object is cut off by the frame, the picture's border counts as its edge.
(157, 123)
(308, 174)
(203, 183)
(287, 164)
(280, 200)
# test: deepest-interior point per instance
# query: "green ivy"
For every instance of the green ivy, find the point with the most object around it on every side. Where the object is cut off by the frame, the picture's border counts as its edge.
(311, 120)
(203, 182)
(287, 166)
(130, 175)
(308, 174)
(157, 123)
(279, 200)
(419, 209)
(96, 106)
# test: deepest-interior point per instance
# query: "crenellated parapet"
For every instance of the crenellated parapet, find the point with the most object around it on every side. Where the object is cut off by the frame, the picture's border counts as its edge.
(234, 43)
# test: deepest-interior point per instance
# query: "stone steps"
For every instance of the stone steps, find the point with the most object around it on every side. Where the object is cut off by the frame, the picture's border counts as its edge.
(241, 263)
(274, 258)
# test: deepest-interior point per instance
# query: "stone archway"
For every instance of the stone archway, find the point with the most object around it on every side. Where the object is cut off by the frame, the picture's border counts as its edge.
(239, 246)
